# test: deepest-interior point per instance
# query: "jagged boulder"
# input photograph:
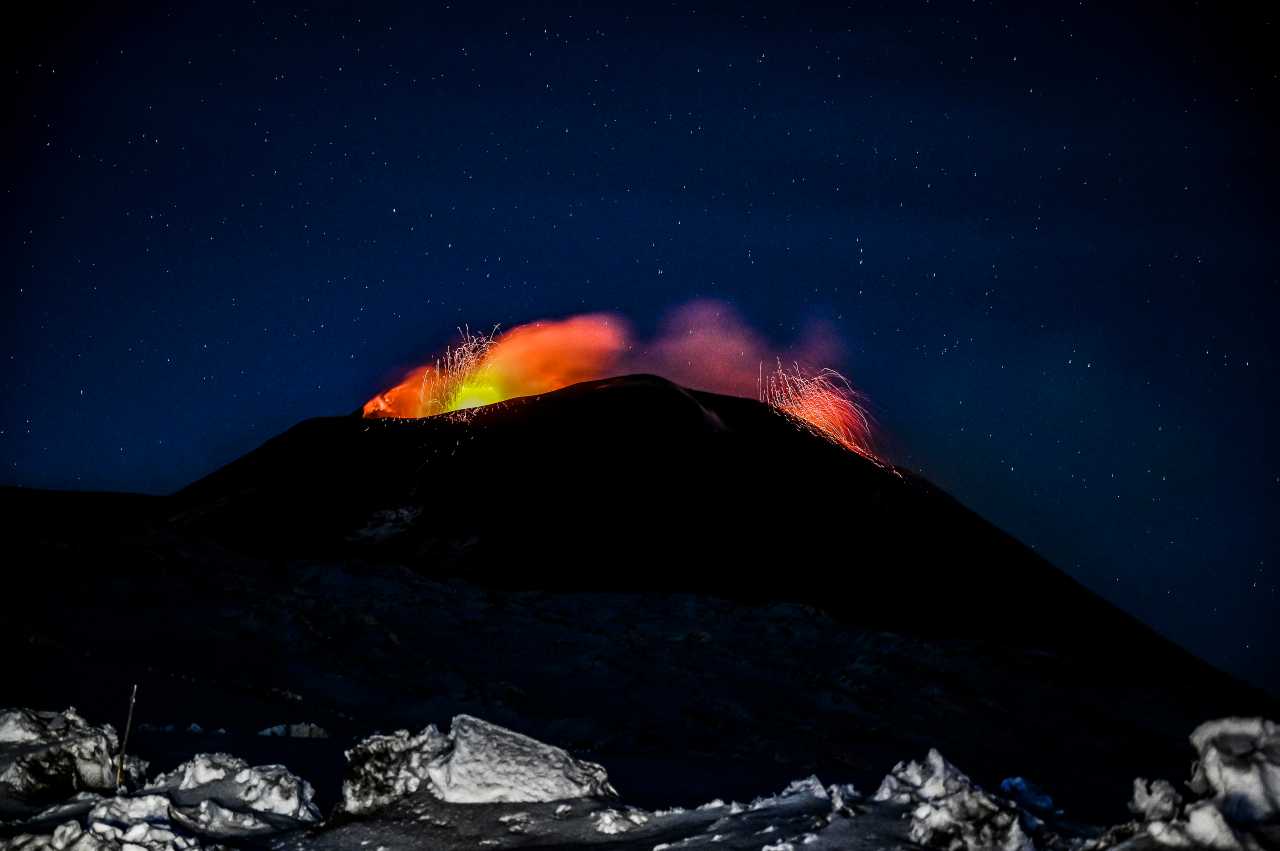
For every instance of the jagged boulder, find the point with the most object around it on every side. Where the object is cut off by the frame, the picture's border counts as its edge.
(1236, 784)
(210, 798)
(1239, 768)
(45, 756)
(222, 794)
(477, 762)
(948, 810)
(1154, 801)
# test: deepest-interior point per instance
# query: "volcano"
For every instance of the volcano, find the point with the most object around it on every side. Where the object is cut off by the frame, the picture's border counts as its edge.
(683, 585)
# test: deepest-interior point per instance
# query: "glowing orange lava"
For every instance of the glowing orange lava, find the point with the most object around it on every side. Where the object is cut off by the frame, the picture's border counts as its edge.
(529, 359)
(703, 345)
(824, 402)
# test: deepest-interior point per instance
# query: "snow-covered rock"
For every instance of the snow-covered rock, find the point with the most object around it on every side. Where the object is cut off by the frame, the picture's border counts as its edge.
(539, 795)
(46, 755)
(70, 836)
(810, 786)
(490, 763)
(843, 796)
(1154, 801)
(218, 792)
(142, 823)
(210, 798)
(477, 762)
(382, 768)
(74, 807)
(1237, 781)
(950, 811)
(619, 821)
(1239, 768)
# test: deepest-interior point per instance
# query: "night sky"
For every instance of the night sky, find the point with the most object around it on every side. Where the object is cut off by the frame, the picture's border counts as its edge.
(1048, 240)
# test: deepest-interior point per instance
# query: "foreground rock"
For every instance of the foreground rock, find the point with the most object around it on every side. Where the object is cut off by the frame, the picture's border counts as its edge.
(49, 756)
(1239, 768)
(948, 810)
(1236, 784)
(484, 786)
(219, 794)
(209, 799)
(143, 823)
(476, 763)
(802, 816)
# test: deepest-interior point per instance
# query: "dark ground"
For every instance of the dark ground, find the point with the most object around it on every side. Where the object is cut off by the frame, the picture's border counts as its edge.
(682, 586)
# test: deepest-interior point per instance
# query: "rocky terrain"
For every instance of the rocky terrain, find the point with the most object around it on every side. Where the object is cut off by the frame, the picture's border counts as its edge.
(483, 786)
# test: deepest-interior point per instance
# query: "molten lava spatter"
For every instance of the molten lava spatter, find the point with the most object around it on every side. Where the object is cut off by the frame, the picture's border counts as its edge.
(483, 369)
(706, 347)
(823, 401)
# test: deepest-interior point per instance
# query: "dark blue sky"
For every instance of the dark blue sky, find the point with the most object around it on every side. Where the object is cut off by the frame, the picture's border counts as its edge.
(1047, 238)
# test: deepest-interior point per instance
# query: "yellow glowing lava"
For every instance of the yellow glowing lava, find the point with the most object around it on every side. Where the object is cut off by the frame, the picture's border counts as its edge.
(473, 394)
(712, 353)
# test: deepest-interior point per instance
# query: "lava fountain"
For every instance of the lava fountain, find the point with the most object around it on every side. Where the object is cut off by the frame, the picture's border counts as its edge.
(486, 368)
(822, 401)
(704, 346)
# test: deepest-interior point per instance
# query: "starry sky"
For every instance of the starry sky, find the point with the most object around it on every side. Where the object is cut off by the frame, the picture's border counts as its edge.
(1047, 239)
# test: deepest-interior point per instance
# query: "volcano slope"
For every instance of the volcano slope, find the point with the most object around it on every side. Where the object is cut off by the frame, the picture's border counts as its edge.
(687, 587)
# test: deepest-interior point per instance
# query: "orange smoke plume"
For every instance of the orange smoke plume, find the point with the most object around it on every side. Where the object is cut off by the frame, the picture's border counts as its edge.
(702, 345)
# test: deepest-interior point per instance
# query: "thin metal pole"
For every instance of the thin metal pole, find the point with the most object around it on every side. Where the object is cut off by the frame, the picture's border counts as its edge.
(124, 745)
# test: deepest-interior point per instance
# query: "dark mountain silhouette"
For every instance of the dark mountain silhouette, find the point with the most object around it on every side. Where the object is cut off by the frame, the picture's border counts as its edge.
(686, 586)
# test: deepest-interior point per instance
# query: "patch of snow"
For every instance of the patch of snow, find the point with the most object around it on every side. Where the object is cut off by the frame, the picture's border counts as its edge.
(19, 726)
(201, 771)
(1203, 826)
(516, 822)
(70, 836)
(842, 796)
(117, 824)
(208, 816)
(143, 821)
(212, 796)
(614, 821)
(1207, 826)
(305, 730)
